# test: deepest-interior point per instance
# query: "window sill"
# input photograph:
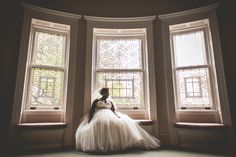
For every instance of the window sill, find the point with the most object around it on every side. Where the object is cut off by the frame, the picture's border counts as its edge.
(187, 125)
(57, 125)
(144, 121)
(62, 125)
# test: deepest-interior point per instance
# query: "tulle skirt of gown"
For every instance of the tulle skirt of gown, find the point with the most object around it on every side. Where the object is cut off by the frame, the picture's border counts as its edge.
(107, 132)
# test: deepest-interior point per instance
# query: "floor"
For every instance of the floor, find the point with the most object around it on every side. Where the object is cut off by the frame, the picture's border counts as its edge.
(133, 153)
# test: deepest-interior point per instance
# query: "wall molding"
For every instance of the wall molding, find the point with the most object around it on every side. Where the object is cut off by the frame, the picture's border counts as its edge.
(123, 19)
(190, 12)
(49, 11)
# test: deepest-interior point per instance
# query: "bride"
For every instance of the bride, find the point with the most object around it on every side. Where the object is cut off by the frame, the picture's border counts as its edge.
(107, 130)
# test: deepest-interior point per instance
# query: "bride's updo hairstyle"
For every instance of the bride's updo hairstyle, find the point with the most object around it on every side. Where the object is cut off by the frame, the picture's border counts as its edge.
(104, 90)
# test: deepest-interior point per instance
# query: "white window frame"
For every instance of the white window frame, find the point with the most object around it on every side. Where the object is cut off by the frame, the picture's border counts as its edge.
(129, 34)
(31, 115)
(201, 25)
(45, 117)
(122, 23)
(221, 112)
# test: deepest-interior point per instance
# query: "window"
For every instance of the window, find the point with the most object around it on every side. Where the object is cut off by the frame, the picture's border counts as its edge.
(47, 70)
(119, 65)
(120, 56)
(47, 66)
(193, 73)
(194, 88)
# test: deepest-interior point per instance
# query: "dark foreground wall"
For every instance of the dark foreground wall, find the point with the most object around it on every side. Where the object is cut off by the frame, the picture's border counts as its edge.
(11, 21)
(227, 25)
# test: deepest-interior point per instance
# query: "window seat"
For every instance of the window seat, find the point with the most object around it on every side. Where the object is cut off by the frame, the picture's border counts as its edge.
(144, 121)
(56, 125)
(188, 125)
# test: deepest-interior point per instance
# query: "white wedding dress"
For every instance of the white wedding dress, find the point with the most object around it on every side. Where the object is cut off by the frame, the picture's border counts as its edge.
(108, 131)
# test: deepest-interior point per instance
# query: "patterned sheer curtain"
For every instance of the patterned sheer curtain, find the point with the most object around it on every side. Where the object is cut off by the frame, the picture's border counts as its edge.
(119, 66)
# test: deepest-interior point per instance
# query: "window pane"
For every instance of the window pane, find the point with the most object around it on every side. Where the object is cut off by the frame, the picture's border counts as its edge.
(123, 83)
(49, 49)
(119, 53)
(123, 93)
(46, 88)
(189, 49)
(193, 88)
(124, 97)
(115, 92)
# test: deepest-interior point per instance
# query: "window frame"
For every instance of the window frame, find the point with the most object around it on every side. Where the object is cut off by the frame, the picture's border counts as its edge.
(189, 27)
(43, 114)
(30, 66)
(123, 34)
(121, 23)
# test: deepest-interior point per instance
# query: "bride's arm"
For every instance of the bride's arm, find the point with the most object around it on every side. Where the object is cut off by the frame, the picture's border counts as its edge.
(113, 109)
(92, 109)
